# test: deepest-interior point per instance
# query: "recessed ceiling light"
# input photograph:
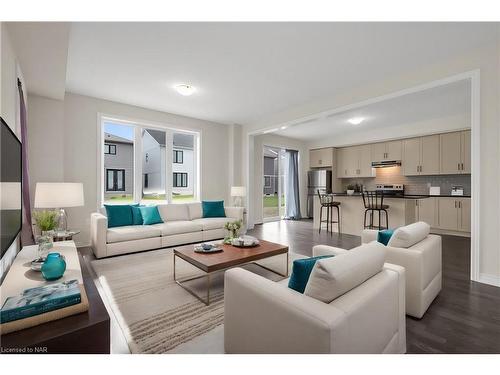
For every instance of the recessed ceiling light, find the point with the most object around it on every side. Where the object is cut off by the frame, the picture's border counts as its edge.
(185, 89)
(284, 127)
(355, 120)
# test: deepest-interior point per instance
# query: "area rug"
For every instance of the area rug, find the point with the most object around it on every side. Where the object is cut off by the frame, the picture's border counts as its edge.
(155, 314)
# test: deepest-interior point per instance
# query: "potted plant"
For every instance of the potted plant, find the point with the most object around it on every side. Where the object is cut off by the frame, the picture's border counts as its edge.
(46, 222)
(233, 228)
(350, 189)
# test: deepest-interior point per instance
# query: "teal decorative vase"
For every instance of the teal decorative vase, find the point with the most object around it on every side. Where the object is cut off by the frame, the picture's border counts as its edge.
(53, 267)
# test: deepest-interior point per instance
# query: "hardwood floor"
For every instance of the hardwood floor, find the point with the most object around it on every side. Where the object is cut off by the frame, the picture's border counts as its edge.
(465, 316)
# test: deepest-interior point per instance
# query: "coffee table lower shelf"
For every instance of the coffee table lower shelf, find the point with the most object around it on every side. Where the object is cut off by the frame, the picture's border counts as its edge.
(182, 282)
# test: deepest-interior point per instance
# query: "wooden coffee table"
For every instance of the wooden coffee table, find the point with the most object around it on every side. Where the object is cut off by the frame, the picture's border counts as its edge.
(230, 257)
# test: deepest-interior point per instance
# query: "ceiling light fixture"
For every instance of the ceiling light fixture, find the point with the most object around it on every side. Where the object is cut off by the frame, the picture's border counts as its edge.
(185, 89)
(355, 120)
(284, 127)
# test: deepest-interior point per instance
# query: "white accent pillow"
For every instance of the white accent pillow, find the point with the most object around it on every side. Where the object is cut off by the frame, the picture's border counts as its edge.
(173, 212)
(409, 235)
(195, 210)
(332, 277)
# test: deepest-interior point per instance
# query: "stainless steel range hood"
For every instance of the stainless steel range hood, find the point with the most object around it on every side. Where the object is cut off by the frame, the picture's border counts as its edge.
(386, 163)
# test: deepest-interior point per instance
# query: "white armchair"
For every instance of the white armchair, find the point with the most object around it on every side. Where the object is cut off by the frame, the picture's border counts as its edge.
(263, 316)
(419, 252)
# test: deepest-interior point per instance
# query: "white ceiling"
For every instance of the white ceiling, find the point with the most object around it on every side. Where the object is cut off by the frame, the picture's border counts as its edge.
(246, 71)
(42, 51)
(448, 101)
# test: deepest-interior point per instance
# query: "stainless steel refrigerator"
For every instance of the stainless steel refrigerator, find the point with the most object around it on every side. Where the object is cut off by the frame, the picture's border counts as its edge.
(317, 180)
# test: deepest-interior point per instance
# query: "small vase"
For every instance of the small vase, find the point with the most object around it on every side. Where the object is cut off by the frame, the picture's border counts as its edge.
(53, 267)
(45, 243)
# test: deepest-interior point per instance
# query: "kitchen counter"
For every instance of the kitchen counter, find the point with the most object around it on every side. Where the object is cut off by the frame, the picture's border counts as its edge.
(403, 196)
(403, 210)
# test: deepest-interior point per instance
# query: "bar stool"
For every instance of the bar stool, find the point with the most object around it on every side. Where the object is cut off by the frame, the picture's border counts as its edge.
(327, 202)
(374, 201)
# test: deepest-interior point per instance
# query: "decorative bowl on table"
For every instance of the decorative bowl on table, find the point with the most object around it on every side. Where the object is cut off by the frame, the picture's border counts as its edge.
(245, 241)
(207, 248)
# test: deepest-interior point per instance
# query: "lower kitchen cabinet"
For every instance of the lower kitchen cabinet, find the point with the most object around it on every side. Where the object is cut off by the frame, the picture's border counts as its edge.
(454, 214)
(422, 210)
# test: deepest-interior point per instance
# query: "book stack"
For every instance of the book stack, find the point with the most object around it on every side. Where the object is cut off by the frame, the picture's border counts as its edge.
(40, 300)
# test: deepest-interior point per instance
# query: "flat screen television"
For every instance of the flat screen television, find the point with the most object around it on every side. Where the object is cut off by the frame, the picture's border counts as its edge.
(10, 187)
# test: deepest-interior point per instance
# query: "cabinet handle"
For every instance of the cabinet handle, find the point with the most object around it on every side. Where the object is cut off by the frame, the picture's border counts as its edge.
(420, 168)
(320, 161)
(345, 172)
(462, 164)
(459, 204)
(455, 204)
(458, 166)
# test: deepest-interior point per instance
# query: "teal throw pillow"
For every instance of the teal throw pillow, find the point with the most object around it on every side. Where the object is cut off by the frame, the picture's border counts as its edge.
(136, 214)
(150, 215)
(384, 236)
(119, 215)
(213, 209)
(301, 271)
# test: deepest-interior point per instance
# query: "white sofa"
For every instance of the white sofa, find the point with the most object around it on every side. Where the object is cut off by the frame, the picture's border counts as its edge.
(263, 316)
(419, 252)
(182, 223)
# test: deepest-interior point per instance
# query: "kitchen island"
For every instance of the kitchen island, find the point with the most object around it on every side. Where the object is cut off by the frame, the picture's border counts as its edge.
(445, 214)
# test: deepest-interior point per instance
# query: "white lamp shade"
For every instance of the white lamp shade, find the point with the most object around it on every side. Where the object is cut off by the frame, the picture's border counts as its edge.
(238, 191)
(10, 195)
(58, 194)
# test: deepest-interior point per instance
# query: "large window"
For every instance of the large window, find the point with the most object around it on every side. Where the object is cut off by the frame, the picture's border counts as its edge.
(147, 164)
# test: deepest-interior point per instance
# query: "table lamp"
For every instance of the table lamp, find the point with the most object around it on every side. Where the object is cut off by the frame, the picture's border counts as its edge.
(238, 192)
(59, 195)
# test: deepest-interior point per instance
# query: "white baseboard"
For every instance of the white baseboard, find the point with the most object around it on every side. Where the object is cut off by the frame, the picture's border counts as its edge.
(489, 279)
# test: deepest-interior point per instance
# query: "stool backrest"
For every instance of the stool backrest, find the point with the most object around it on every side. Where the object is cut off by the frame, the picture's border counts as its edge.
(324, 198)
(373, 198)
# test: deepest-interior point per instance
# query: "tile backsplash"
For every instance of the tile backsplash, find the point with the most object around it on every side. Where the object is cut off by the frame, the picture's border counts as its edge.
(413, 184)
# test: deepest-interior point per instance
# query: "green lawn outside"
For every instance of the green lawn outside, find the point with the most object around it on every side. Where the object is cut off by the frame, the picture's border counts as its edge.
(272, 201)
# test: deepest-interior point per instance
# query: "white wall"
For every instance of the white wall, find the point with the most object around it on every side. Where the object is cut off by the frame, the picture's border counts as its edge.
(257, 181)
(80, 133)
(487, 60)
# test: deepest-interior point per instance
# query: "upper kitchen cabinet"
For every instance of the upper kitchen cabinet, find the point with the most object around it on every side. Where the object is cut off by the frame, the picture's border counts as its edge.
(354, 161)
(321, 158)
(421, 156)
(455, 153)
(386, 151)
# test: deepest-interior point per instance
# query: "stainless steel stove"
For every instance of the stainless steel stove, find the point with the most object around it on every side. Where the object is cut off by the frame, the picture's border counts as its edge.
(391, 189)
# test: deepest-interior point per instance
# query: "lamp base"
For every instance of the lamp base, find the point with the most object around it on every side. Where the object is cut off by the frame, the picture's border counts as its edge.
(62, 221)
